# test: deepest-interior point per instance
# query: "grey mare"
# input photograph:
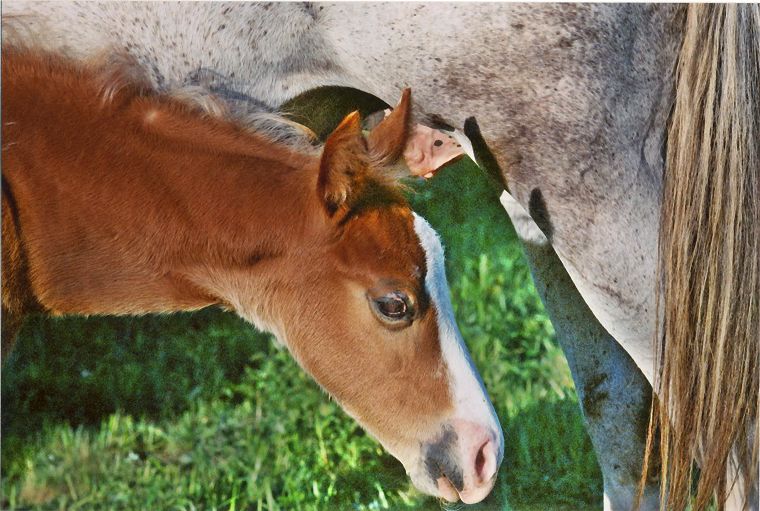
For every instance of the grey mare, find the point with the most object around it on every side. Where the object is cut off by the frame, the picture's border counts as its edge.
(573, 101)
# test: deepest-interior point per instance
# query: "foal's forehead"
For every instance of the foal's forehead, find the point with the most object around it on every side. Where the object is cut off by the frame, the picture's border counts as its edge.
(385, 242)
(388, 228)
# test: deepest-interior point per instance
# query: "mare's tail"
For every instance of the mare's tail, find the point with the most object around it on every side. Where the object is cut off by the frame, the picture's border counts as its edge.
(710, 259)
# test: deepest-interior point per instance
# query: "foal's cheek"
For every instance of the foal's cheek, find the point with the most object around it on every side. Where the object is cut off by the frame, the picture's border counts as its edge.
(395, 364)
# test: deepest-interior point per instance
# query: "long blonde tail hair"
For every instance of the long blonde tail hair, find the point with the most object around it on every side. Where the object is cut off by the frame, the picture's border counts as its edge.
(710, 261)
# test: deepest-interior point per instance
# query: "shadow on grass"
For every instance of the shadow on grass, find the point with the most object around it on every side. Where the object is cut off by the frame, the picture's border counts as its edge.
(78, 371)
(557, 466)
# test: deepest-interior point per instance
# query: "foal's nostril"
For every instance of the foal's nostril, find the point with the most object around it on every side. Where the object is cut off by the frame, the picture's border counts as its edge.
(480, 462)
(485, 462)
(479, 454)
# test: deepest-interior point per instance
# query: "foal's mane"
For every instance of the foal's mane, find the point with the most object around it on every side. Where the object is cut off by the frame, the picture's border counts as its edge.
(116, 78)
(115, 81)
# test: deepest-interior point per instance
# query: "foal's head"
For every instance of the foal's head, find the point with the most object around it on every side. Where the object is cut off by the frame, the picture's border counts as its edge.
(365, 309)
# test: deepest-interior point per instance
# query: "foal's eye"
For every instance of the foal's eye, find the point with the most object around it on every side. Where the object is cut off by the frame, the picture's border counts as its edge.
(393, 308)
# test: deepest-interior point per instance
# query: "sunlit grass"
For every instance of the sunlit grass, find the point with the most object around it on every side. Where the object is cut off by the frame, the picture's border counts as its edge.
(201, 412)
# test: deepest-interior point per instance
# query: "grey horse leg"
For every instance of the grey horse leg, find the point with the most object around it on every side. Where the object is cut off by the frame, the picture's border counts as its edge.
(613, 393)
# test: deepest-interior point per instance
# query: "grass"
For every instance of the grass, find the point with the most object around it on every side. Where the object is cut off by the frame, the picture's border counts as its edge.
(199, 411)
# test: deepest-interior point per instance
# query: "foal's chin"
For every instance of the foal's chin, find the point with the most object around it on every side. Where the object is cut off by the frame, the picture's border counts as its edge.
(444, 489)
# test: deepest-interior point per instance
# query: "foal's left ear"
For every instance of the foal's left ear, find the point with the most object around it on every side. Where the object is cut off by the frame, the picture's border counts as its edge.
(387, 141)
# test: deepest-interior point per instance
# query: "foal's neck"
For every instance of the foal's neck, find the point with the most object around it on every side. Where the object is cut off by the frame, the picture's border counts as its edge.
(144, 205)
(238, 192)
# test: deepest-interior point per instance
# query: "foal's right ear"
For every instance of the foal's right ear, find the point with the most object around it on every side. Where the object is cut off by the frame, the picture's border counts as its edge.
(389, 138)
(344, 160)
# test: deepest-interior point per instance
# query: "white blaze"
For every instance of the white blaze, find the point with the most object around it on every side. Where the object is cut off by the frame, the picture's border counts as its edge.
(470, 398)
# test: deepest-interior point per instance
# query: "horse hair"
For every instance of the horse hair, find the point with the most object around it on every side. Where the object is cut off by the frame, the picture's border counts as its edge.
(709, 262)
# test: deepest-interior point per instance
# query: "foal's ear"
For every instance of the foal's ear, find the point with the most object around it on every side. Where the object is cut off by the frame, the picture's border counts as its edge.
(344, 159)
(387, 141)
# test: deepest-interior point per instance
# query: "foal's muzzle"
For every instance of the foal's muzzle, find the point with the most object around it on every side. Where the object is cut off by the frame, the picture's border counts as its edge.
(463, 461)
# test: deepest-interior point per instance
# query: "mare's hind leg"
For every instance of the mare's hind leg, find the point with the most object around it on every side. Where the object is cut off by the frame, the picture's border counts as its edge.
(613, 393)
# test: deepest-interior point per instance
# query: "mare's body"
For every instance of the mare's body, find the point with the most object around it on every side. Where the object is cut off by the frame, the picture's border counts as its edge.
(573, 101)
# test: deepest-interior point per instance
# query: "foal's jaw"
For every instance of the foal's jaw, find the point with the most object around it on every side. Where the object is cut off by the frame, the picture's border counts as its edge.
(410, 384)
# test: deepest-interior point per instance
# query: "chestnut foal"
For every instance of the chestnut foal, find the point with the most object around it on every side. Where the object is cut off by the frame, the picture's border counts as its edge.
(121, 200)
